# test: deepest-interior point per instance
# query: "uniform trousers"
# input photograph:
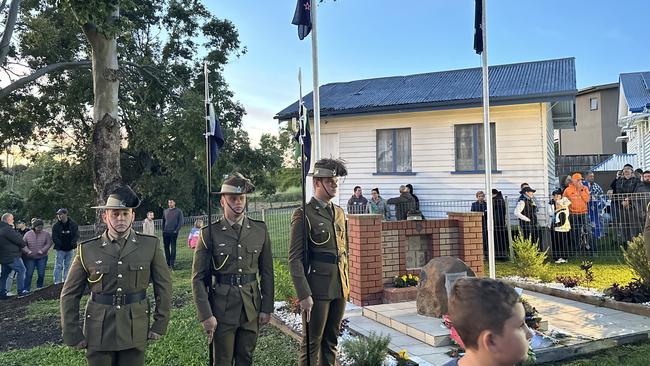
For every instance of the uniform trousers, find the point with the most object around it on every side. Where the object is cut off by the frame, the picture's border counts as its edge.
(235, 342)
(127, 357)
(324, 327)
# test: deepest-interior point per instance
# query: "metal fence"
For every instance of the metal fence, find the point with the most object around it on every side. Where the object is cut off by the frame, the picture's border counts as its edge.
(278, 222)
(609, 223)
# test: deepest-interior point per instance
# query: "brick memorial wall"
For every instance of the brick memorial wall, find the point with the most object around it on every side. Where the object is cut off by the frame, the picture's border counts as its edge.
(380, 250)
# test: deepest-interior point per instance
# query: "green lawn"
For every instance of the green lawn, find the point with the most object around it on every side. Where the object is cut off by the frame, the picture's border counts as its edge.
(606, 271)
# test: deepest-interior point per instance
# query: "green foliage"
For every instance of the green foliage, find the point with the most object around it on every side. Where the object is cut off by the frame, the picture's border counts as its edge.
(367, 351)
(13, 203)
(529, 261)
(587, 267)
(636, 258)
(283, 284)
(406, 281)
(43, 309)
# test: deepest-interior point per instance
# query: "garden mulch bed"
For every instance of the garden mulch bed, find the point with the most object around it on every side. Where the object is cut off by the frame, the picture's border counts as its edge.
(17, 332)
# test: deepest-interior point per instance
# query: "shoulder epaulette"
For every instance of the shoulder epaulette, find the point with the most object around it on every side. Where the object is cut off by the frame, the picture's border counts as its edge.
(89, 240)
(218, 220)
(147, 235)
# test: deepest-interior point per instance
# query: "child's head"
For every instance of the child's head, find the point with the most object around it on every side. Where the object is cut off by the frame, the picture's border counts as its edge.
(490, 319)
(198, 223)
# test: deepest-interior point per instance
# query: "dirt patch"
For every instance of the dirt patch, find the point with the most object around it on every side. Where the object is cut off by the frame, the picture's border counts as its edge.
(17, 332)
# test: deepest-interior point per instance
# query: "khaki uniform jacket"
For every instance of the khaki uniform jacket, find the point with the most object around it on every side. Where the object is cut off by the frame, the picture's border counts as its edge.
(100, 265)
(327, 234)
(250, 253)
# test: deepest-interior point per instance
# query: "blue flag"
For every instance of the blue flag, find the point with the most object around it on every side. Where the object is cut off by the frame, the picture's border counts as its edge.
(478, 26)
(302, 18)
(215, 137)
(303, 129)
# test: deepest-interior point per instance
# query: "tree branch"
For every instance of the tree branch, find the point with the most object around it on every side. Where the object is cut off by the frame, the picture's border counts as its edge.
(42, 72)
(9, 29)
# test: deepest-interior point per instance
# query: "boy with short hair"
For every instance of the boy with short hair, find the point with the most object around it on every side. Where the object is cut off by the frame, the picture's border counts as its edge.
(490, 320)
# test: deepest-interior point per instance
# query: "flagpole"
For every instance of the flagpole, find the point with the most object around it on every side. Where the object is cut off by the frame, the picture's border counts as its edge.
(314, 62)
(487, 136)
(208, 180)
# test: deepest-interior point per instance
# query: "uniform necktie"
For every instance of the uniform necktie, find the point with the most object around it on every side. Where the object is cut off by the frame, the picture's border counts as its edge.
(237, 228)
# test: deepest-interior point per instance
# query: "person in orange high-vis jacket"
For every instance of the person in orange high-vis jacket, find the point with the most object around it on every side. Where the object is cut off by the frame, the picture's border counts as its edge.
(578, 194)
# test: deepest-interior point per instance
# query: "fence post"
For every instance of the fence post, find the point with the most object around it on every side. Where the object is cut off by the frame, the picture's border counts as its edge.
(511, 253)
(263, 215)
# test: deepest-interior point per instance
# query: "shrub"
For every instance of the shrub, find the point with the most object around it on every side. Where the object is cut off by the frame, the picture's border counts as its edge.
(586, 266)
(533, 319)
(529, 261)
(635, 292)
(406, 281)
(283, 284)
(636, 258)
(568, 281)
(367, 351)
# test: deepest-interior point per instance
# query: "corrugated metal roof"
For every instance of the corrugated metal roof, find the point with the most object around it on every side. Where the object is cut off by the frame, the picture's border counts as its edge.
(616, 162)
(539, 80)
(636, 86)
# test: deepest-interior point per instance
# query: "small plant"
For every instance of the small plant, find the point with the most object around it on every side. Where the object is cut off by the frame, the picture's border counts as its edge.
(586, 266)
(529, 261)
(283, 284)
(635, 257)
(533, 319)
(406, 280)
(568, 281)
(367, 351)
(344, 326)
(635, 292)
(403, 358)
(293, 304)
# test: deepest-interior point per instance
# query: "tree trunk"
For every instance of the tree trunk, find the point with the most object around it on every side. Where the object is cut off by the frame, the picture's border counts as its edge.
(107, 133)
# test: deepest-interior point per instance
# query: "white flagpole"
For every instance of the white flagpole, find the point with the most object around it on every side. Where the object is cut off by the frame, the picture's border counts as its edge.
(487, 143)
(314, 61)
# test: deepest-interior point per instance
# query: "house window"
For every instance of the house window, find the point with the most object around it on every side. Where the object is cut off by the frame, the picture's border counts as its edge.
(593, 104)
(470, 149)
(394, 150)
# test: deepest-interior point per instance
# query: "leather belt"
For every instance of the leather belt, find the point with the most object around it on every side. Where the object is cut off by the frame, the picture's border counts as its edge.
(324, 257)
(118, 299)
(234, 279)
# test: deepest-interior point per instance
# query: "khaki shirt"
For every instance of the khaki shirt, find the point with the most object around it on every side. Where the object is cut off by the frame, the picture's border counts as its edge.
(327, 234)
(108, 268)
(246, 253)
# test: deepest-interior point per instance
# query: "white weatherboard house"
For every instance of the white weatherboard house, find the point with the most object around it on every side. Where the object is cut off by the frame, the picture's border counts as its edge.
(634, 114)
(426, 129)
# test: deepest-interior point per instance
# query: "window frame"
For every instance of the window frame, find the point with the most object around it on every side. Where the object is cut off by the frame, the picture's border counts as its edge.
(591, 104)
(475, 147)
(394, 152)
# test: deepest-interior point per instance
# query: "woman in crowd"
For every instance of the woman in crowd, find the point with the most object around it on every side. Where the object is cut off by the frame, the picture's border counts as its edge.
(38, 243)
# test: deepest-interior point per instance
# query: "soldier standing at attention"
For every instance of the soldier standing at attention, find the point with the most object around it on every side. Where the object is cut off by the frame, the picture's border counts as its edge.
(323, 292)
(117, 266)
(230, 302)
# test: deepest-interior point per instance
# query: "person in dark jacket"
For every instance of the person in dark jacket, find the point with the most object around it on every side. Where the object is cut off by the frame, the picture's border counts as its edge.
(500, 225)
(403, 204)
(526, 212)
(481, 206)
(172, 223)
(65, 234)
(11, 245)
(357, 203)
(628, 212)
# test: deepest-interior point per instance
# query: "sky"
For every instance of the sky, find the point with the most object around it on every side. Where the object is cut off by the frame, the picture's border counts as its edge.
(361, 39)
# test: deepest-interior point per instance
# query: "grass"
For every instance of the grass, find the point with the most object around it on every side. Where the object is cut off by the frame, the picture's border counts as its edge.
(606, 272)
(628, 355)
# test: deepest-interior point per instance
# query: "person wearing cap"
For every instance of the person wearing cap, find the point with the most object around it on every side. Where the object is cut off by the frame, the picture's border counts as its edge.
(526, 212)
(578, 194)
(324, 291)
(38, 243)
(232, 277)
(65, 234)
(560, 225)
(117, 268)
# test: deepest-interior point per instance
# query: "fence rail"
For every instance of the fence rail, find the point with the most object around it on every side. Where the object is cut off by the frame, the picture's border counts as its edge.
(609, 223)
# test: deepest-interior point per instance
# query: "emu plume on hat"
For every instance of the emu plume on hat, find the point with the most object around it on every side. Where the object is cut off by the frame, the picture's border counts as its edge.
(236, 183)
(122, 197)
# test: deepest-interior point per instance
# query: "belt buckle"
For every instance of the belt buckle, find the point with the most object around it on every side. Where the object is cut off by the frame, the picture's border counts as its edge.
(119, 299)
(238, 280)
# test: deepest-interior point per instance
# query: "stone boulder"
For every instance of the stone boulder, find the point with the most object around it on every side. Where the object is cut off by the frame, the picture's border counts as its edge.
(432, 289)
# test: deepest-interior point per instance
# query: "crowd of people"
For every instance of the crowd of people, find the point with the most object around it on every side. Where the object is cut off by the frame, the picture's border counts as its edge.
(578, 214)
(407, 203)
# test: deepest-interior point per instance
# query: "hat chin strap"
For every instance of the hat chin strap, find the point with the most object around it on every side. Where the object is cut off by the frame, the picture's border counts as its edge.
(238, 213)
(108, 222)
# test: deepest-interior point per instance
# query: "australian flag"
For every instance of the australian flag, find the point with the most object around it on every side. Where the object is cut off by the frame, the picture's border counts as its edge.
(215, 136)
(478, 29)
(302, 18)
(303, 129)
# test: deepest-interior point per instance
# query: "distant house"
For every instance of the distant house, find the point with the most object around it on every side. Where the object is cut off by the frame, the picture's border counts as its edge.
(634, 114)
(597, 130)
(426, 129)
